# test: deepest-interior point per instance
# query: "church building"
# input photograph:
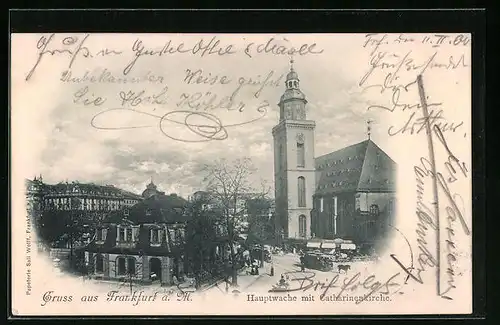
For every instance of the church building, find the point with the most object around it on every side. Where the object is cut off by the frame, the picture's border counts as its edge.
(348, 194)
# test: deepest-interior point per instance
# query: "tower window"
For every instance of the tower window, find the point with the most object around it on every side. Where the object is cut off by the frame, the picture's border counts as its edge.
(301, 191)
(302, 225)
(301, 160)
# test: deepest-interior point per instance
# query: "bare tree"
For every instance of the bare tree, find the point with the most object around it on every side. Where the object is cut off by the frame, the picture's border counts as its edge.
(201, 233)
(229, 182)
(132, 273)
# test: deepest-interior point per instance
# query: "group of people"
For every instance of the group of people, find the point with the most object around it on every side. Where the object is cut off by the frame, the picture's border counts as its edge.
(253, 265)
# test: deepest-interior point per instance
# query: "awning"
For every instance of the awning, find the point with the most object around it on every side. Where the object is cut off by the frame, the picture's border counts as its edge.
(348, 246)
(338, 240)
(313, 244)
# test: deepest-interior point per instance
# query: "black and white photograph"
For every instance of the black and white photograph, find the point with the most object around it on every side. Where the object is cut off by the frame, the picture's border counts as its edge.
(221, 174)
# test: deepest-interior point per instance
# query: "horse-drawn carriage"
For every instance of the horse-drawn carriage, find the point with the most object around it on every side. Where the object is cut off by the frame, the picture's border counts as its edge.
(317, 261)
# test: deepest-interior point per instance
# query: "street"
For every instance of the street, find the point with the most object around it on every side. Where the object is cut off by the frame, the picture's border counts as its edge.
(288, 265)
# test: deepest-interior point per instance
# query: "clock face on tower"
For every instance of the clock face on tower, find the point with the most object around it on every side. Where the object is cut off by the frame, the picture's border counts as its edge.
(300, 138)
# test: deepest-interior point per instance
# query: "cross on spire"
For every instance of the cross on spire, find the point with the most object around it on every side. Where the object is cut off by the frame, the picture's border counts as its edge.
(369, 127)
(291, 62)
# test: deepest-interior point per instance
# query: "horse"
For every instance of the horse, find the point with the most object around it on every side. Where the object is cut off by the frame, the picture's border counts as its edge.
(345, 267)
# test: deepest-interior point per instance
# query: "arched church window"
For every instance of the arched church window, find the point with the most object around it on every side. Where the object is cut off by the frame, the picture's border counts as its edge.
(390, 207)
(301, 191)
(302, 225)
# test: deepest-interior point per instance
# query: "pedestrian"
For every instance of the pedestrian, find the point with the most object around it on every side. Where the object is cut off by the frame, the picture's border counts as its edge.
(282, 280)
(272, 270)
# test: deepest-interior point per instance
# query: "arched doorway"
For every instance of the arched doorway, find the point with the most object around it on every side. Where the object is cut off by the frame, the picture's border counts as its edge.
(302, 226)
(99, 264)
(155, 268)
(120, 266)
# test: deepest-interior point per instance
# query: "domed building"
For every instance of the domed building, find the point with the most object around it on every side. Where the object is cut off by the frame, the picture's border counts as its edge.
(151, 189)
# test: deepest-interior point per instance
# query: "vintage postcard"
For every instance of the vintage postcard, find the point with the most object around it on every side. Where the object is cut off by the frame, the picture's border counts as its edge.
(241, 174)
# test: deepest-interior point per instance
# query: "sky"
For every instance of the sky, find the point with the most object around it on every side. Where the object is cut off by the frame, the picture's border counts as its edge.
(52, 133)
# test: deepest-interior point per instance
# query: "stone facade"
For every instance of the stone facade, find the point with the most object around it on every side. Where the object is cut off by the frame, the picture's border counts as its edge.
(294, 166)
(142, 271)
(77, 196)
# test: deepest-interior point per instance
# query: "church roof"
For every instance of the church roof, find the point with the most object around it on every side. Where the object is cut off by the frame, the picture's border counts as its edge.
(155, 209)
(64, 188)
(360, 167)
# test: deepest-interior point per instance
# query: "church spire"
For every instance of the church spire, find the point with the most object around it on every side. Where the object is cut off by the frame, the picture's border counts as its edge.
(151, 185)
(292, 102)
(292, 78)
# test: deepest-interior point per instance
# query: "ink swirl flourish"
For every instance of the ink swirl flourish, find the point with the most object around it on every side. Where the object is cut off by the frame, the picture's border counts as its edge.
(203, 125)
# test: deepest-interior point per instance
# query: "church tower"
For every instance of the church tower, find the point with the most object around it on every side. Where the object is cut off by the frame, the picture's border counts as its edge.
(294, 167)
